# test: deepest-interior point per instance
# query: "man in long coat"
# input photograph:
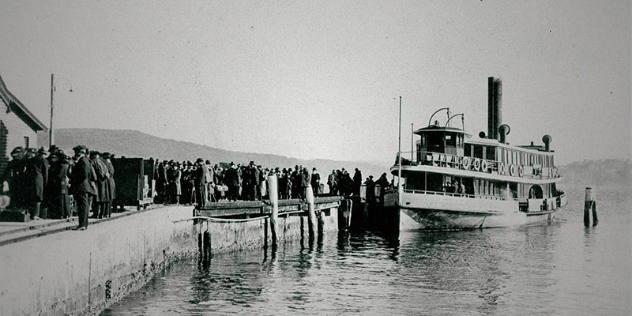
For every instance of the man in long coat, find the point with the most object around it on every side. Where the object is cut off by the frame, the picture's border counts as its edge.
(232, 181)
(14, 176)
(80, 185)
(57, 186)
(102, 198)
(108, 162)
(37, 173)
(201, 181)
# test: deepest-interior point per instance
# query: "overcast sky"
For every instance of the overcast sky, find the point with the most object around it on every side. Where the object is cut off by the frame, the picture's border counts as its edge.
(322, 79)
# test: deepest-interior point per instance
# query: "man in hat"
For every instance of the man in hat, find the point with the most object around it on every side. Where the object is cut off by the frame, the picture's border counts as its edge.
(315, 182)
(58, 199)
(36, 174)
(232, 181)
(107, 159)
(80, 185)
(201, 182)
(332, 182)
(14, 175)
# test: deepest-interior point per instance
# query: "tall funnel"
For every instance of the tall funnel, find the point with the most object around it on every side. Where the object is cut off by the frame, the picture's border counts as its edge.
(494, 107)
(491, 113)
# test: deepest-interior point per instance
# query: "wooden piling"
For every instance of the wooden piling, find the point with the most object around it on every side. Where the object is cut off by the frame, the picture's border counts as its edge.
(313, 229)
(274, 201)
(590, 203)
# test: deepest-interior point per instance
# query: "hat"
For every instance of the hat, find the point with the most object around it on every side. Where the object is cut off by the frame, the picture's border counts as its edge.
(199, 160)
(41, 150)
(17, 150)
(31, 150)
(208, 162)
(106, 155)
(79, 147)
(52, 148)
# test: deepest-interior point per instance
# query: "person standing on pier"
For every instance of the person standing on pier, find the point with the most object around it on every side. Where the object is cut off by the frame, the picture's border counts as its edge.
(57, 187)
(14, 176)
(102, 198)
(80, 185)
(332, 181)
(357, 181)
(36, 172)
(108, 163)
(201, 182)
(210, 191)
(231, 179)
(315, 182)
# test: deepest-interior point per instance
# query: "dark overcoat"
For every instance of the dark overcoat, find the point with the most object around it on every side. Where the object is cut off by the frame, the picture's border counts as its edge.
(80, 177)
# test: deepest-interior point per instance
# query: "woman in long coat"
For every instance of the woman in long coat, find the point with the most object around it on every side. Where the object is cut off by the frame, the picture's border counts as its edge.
(112, 188)
(175, 186)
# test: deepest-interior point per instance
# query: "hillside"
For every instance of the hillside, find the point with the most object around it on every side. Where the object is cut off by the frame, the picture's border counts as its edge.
(598, 172)
(130, 143)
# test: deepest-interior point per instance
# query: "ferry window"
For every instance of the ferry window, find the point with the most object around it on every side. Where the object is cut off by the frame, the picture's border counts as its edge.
(468, 150)
(478, 151)
(435, 142)
(491, 153)
(450, 140)
(423, 141)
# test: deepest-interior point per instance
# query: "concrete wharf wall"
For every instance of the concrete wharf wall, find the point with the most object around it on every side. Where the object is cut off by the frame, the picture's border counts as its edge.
(82, 272)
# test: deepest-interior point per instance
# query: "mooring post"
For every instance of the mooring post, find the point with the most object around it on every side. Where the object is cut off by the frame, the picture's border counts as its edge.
(274, 201)
(313, 229)
(589, 204)
(321, 222)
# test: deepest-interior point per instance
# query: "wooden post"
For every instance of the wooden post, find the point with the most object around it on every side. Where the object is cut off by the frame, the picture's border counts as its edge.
(313, 229)
(274, 201)
(590, 203)
(321, 222)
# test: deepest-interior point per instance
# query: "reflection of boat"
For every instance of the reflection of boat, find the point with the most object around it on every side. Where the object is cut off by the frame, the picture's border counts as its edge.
(458, 181)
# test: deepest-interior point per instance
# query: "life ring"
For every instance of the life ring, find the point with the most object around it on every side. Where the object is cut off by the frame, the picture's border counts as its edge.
(520, 171)
(512, 170)
(477, 164)
(501, 168)
(465, 163)
(484, 166)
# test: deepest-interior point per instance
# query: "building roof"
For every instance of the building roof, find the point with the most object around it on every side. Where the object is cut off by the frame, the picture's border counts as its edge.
(13, 104)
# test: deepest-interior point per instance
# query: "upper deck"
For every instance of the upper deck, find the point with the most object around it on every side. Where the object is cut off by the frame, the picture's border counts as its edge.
(451, 147)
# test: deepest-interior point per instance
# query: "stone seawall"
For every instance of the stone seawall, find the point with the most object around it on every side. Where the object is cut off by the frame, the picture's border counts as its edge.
(82, 272)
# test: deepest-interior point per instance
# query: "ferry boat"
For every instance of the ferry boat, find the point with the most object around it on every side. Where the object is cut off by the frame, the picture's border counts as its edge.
(456, 181)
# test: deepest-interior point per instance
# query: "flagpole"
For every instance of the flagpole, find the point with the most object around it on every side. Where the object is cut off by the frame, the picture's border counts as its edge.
(399, 156)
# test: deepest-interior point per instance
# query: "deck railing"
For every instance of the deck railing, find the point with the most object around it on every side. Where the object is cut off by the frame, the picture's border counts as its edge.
(471, 196)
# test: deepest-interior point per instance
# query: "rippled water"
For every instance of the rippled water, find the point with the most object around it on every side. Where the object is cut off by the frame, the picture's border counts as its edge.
(560, 268)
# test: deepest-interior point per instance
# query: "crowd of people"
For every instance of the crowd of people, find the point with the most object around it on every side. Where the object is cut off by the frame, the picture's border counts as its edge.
(47, 183)
(202, 182)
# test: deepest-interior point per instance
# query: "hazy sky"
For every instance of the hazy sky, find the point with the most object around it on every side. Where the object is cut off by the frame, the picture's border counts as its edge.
(321, 79)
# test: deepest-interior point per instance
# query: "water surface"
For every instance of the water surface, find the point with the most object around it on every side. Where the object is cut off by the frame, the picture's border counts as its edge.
(561, 268)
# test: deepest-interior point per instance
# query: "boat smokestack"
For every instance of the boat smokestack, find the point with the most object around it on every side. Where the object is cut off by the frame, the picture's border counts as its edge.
(494, 108)
(491, 118)
(498, 107)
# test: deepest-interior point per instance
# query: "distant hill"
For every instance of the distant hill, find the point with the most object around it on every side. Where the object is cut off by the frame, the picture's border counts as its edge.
(598, 172)
(131, 143)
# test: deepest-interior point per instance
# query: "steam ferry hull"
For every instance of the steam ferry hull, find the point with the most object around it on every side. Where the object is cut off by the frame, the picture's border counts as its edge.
(451, 212)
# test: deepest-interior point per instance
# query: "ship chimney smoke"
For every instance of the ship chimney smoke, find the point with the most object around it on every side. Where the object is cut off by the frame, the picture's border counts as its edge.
(547, 142)
(494, 107)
